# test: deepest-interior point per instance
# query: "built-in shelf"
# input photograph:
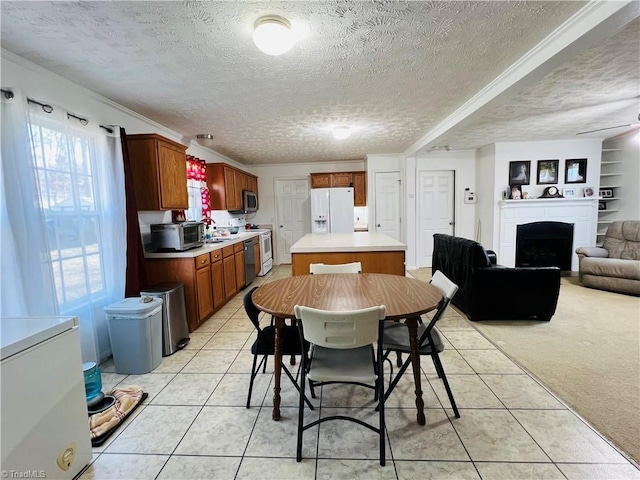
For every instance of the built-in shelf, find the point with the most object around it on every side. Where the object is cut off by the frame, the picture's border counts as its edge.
(608, 170)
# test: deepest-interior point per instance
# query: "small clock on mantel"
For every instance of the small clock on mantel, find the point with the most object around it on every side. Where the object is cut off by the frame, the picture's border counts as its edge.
(551, 192)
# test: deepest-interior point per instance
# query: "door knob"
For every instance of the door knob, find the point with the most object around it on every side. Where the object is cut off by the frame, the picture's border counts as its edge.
(378, 225)
(451, 223)
(281, 226)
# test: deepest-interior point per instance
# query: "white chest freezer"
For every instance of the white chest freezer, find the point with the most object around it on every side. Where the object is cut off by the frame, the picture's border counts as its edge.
(45, 429)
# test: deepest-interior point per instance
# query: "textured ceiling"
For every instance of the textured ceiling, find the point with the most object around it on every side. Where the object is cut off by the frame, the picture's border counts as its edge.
(598, 88)
(393, 70)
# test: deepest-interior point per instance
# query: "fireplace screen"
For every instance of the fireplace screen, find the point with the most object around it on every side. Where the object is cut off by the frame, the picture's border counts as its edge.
(544, 244)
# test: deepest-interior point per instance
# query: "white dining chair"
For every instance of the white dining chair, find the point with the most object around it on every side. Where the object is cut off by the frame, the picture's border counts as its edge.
(395, 338)
(342, 353)
(317, 268)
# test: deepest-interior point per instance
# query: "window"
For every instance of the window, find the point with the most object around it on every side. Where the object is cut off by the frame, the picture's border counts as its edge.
(198, 192)
(194, 189)
(69, 198)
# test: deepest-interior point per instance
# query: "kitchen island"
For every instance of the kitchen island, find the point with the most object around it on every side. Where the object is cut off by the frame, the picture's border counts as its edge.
(377, 252)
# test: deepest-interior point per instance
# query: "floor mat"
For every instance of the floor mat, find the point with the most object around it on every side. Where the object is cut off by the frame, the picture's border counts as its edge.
(99, 440)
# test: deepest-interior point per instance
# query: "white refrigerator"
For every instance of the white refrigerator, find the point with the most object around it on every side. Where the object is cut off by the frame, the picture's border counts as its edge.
(332, 210)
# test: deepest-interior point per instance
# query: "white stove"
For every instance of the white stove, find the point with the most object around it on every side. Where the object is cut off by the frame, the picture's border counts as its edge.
(266, 255)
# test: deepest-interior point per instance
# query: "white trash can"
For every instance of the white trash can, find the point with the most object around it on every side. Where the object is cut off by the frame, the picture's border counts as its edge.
(135, 331)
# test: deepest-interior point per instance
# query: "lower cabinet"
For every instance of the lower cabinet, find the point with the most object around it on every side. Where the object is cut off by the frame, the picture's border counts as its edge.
(217, 279)
(229, 272)
(239, 262)
(210, 279)
(204, 292)
(195, 274)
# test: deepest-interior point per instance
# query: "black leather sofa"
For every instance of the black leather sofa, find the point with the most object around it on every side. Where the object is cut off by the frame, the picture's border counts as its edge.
(488, 291)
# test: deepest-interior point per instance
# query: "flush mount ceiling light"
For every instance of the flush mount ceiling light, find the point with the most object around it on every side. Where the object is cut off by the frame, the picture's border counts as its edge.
(342, 132)
(441, 147)
(272, 34)
(205, 139)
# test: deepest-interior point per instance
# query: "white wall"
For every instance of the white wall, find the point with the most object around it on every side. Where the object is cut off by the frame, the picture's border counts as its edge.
(486, 190)
(629, 155)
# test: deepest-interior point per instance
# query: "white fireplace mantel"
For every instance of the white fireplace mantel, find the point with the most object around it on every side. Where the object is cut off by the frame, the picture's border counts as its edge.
(582, 212)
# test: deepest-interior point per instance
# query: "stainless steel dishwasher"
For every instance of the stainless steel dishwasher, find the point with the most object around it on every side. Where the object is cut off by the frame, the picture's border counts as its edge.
(249, 261)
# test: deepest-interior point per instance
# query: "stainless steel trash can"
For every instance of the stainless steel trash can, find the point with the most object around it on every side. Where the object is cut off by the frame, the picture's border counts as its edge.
(175, 331)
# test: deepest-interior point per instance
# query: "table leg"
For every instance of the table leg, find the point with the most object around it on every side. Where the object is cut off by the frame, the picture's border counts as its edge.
(277, 367)
(412, 324)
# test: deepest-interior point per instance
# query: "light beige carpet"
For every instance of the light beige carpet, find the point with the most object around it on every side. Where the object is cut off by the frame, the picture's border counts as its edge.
(588, 355)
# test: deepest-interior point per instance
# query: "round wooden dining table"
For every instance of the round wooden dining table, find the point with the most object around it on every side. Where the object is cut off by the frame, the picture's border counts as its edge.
(405, 299)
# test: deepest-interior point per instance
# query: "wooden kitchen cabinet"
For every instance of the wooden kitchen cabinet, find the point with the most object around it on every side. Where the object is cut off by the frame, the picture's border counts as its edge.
(194, 274)
(359, 189)
(217, 279)
(342, 179)
(253, 184)
(229, 272)
(159, 171)
(320, 180)
(357, 180)
(231, 190)
(204, 294)
(225, 185)
(238, 249)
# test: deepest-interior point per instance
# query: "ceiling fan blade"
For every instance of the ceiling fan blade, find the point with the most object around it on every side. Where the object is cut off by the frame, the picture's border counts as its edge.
(608, 128)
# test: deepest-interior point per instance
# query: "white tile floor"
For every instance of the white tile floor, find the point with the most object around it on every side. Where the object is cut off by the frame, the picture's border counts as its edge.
(194, 424)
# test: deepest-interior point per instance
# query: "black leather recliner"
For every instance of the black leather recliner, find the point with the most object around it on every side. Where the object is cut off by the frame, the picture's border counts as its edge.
(487, 291)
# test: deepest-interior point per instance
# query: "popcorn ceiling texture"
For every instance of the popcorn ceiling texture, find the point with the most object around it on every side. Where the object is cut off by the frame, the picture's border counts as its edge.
(391, 69)
(599, 88)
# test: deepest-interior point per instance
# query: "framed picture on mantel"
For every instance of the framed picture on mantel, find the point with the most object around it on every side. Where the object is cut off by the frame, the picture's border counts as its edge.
(547, 172)
(575, 170)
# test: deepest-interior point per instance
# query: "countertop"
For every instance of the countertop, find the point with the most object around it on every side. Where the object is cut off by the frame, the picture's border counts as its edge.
(347, 242)
(241, 236)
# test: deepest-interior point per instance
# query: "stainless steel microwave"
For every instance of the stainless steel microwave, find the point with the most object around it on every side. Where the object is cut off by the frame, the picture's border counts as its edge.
(249, 201)
(177, 236)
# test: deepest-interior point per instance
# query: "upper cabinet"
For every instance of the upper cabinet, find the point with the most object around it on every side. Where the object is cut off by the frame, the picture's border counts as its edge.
(159, 170)
(341, 179)
(320, 180)
(357, 180)
(360, 189)
(226, 184)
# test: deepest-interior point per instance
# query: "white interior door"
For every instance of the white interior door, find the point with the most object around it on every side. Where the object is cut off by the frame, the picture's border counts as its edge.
(293, 214)
(435, 192)
(387, 197)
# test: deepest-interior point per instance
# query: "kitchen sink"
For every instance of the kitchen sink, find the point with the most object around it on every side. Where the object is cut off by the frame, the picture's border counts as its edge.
(218, 241)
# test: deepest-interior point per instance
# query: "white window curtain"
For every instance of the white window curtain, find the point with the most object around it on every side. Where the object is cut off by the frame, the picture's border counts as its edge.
(80, 223)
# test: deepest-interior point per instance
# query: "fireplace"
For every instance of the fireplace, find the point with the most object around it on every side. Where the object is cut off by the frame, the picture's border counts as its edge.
(544, 244)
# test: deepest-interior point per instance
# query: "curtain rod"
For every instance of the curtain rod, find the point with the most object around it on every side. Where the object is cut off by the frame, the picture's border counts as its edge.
(8, 94)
